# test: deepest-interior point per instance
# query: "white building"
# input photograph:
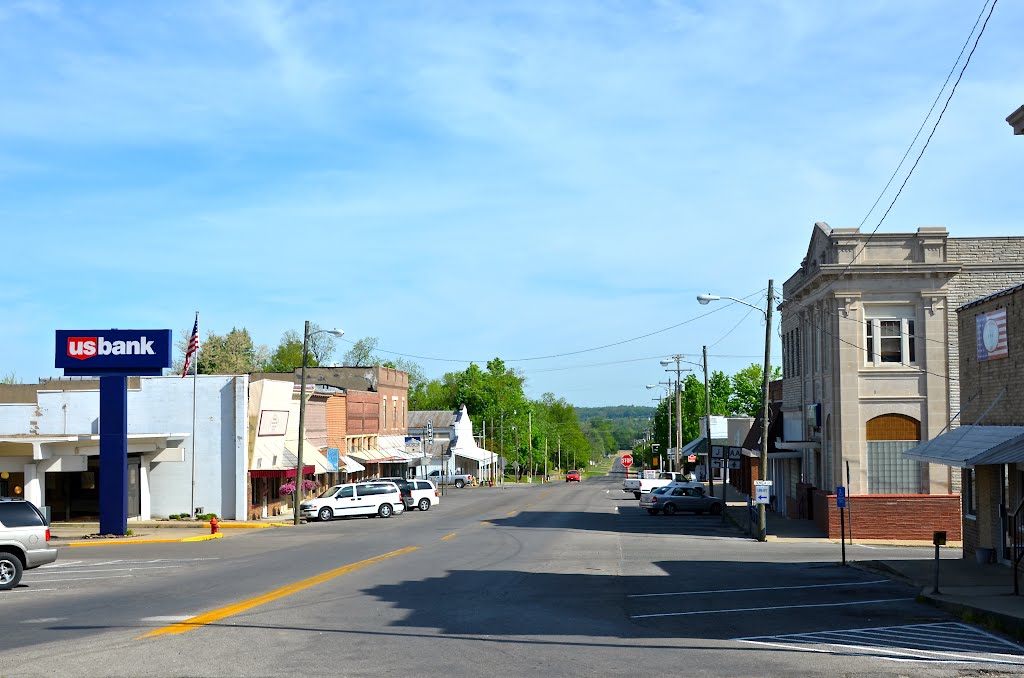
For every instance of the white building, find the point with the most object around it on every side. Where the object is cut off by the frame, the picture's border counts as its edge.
(49, 446)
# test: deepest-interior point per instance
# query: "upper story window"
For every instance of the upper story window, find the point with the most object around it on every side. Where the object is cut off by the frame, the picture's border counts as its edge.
(889, 336)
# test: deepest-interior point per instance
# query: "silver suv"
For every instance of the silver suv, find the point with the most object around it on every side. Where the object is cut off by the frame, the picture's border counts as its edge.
(24, 541)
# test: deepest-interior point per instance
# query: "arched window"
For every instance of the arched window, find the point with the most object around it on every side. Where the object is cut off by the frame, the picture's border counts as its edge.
(894, 427)
(889, 472)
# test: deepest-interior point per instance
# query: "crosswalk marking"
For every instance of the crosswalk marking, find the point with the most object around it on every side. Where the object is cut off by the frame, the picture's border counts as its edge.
(940, 643)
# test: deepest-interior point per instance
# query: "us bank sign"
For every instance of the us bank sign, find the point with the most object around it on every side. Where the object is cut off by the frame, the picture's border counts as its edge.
(113, 356)
(99, 352)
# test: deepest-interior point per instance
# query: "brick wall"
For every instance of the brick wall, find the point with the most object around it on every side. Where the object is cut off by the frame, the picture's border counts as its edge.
(891, 516)
(363, 412)
(337, 422)
(987, 379)
(989, 265)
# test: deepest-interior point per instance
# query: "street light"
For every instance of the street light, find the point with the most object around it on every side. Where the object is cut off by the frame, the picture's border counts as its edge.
(668, 410)
(302, 414)
(762, 526)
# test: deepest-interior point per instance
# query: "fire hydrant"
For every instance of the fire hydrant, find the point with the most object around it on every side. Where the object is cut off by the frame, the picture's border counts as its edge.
(214, 525)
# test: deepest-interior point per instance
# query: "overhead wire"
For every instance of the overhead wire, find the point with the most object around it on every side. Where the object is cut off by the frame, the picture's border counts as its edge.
(567, 353)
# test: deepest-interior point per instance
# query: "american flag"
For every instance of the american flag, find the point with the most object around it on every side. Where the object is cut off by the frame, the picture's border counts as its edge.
(193, 346)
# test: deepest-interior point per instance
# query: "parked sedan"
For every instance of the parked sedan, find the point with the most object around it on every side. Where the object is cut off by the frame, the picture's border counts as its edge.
(674, 498)
(572, 476)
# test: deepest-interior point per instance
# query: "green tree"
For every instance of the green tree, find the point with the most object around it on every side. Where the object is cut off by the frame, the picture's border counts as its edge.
(747, 387)
(288, 354)
(232, 353)
(361, 354)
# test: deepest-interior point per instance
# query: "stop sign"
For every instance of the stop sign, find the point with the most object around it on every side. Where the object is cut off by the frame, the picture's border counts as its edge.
(627, 460)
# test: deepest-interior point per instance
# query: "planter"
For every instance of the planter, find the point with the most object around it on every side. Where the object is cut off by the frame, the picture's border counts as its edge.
(984, 555)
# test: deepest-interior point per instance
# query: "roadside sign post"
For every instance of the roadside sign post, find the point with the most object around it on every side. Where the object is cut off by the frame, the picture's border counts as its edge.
(841, 505)
(939, 539)
(762, 496)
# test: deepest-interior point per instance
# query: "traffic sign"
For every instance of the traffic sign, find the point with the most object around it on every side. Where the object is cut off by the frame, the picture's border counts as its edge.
(735, 464)
(762, 490)
(840, 497)
(717, 451)
(717, 463)
(627, 460)
(734, 452)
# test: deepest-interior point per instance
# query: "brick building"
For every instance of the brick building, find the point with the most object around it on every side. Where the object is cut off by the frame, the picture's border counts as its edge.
(868, 343)
(987, 450)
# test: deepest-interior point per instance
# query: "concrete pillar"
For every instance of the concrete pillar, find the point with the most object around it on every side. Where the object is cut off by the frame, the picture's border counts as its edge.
(145, 498)
(34, 488)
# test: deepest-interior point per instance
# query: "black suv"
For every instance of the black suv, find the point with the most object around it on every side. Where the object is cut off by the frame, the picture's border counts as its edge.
(405, 487)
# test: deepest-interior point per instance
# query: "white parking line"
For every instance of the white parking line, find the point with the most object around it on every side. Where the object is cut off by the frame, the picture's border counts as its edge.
(940, 643)
(766, 609)
(63, 579)
(761, 588)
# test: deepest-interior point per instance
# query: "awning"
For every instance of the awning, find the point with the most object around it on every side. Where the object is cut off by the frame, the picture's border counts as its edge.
(797, 445)
(477, 454)
(280, 472)
(370, 456)
(791, 454)
(309, 453)
(350, 465)
(691, 448)
(972, 446)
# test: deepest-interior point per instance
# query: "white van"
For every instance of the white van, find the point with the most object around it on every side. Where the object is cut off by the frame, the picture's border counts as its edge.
(367, 498)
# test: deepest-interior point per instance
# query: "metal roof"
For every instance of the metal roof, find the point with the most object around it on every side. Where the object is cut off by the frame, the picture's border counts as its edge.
(439, 418)
(995, 295)
(972, 446)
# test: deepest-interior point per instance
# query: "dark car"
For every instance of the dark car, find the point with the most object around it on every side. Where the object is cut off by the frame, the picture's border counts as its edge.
(405, 487)
(572, 476)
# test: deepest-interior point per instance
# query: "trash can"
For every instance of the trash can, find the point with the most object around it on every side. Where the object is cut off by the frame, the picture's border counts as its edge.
(984, 555)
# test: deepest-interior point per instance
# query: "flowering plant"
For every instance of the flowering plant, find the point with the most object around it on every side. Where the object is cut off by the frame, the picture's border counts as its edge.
(289, 488)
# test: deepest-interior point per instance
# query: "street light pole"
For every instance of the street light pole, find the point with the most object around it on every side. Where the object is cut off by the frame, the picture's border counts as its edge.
(679, 405)
(762, 524)
(297, 495)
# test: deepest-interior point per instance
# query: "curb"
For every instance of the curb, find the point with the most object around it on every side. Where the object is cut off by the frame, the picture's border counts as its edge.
(119, 542)
(1005, 623)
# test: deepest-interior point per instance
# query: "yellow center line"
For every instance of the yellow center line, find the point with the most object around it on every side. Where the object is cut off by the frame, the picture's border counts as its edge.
(486, 522)
(448, 536)
(270, 596)
(511, 513)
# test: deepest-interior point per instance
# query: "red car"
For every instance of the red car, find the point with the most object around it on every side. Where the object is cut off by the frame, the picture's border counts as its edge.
(572, 475)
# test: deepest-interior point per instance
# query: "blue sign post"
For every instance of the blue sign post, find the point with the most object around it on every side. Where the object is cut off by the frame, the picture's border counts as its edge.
(841, 505)
(113, 356)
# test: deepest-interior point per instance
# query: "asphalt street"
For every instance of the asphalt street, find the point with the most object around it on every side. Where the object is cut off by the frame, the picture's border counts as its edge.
(553, 580)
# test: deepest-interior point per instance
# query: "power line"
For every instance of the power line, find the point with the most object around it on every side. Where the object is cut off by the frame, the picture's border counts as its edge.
(560, 355)
(935, 102)
(927, 142)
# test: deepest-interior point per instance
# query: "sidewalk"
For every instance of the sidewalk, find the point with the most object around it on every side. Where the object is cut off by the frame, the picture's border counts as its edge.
(155, 531)
(981, 594)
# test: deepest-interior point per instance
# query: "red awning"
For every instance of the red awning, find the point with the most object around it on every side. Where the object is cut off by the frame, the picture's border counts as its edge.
(280, 472)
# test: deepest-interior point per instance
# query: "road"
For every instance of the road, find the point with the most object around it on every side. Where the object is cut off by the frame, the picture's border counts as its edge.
(553, 580)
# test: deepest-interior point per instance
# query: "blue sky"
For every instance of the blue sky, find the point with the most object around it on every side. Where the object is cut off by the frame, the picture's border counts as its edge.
(464, 180)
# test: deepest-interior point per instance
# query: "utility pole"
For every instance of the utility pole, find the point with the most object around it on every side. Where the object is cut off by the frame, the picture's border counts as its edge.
(529, 433)
(679, 405)
(559, 453)
(707, 411)
(762, 517)
(545, 459)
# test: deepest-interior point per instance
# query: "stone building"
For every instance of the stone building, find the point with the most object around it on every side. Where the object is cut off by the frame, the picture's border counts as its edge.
(869, 347)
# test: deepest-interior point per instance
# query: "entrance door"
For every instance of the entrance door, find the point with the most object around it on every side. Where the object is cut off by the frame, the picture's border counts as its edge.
(134, 495)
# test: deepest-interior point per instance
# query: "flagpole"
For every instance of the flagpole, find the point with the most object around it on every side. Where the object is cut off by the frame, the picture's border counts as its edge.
(195, 376)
